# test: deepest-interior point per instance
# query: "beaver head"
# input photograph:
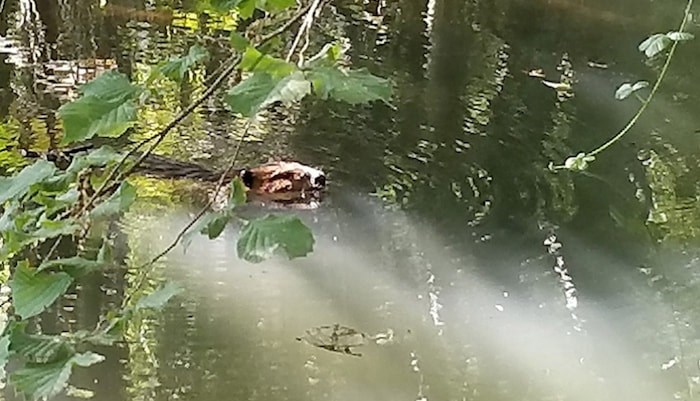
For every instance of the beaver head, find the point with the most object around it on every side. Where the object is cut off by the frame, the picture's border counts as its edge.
(283, 181)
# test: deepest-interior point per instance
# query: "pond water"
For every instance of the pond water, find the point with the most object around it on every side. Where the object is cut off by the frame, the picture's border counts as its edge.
(443, 229)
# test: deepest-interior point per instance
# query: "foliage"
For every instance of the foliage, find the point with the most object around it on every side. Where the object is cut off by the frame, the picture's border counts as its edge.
(106, 108)
(52, 230)
(32, 291)
(177, 68)
(263, 237)
(658, 42)
(275, 80)
(627, 89)
(651, 46)
(46, 380)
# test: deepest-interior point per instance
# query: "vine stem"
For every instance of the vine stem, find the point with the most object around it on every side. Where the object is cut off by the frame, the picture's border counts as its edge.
(645, 104)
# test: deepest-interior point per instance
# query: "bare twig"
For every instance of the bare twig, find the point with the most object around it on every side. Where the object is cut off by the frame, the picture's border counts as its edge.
(199, 215)
(304, 28)
(266, 38)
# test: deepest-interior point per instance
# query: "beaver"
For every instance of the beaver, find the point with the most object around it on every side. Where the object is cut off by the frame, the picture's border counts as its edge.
(278, 181)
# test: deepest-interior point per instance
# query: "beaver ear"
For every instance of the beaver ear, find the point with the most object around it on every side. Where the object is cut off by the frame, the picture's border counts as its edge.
(246, 177)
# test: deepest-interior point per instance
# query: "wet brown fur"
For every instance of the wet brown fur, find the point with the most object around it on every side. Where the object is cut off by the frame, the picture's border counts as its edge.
(280, 181)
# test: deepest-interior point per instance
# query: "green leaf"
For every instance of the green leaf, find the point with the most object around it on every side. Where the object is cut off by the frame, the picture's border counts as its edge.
(18, 185)
(217, 225)
(55, 228)
(254, 60)
(627, 89)
(75, 266)
(23, 232)
(263, 237)
(261, 90)
(238, 41)
(160, 297)
(33, 292)
(274, 6)
(679, 36)
(246, 8)
(176, 68)
(654, 44)
(106, 108)
(38, 348)
(120, 201)
(37, 381)
(224, 5)
(97, 158)
(238, 193)
(202, 226)
(354, 87)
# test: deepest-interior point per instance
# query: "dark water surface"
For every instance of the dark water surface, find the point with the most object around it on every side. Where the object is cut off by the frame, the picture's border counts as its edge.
(498, 279)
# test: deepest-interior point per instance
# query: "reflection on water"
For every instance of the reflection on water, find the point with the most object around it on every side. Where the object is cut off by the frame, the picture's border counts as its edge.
(499, 280)
(460, 330)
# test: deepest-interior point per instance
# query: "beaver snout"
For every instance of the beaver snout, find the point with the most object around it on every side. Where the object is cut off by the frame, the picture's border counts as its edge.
(319, 181)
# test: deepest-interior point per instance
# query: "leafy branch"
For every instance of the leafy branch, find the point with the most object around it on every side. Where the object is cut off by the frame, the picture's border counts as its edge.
(651, 46)
(43, 203)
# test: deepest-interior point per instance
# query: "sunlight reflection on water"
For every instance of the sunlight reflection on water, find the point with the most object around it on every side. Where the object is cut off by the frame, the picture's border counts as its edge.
(460, 332)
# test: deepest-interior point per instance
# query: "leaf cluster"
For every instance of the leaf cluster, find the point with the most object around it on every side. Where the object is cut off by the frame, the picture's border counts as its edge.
(44, 206)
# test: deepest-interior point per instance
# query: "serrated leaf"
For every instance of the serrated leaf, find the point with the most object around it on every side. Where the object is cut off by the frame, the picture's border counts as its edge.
(679, 36)
(37, 381)
(262, 238)
(38, 348)
(33, 292)
(238, 193)
(160, 297)
(176, 68)
(18, 185)
(261, 90)
(120, 201)
(106, 108)
(354, 87)
(654, 44)
(254, 60)
(627, 89)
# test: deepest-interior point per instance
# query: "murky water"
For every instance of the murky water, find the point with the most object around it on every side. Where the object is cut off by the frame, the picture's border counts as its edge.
(498, 279)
